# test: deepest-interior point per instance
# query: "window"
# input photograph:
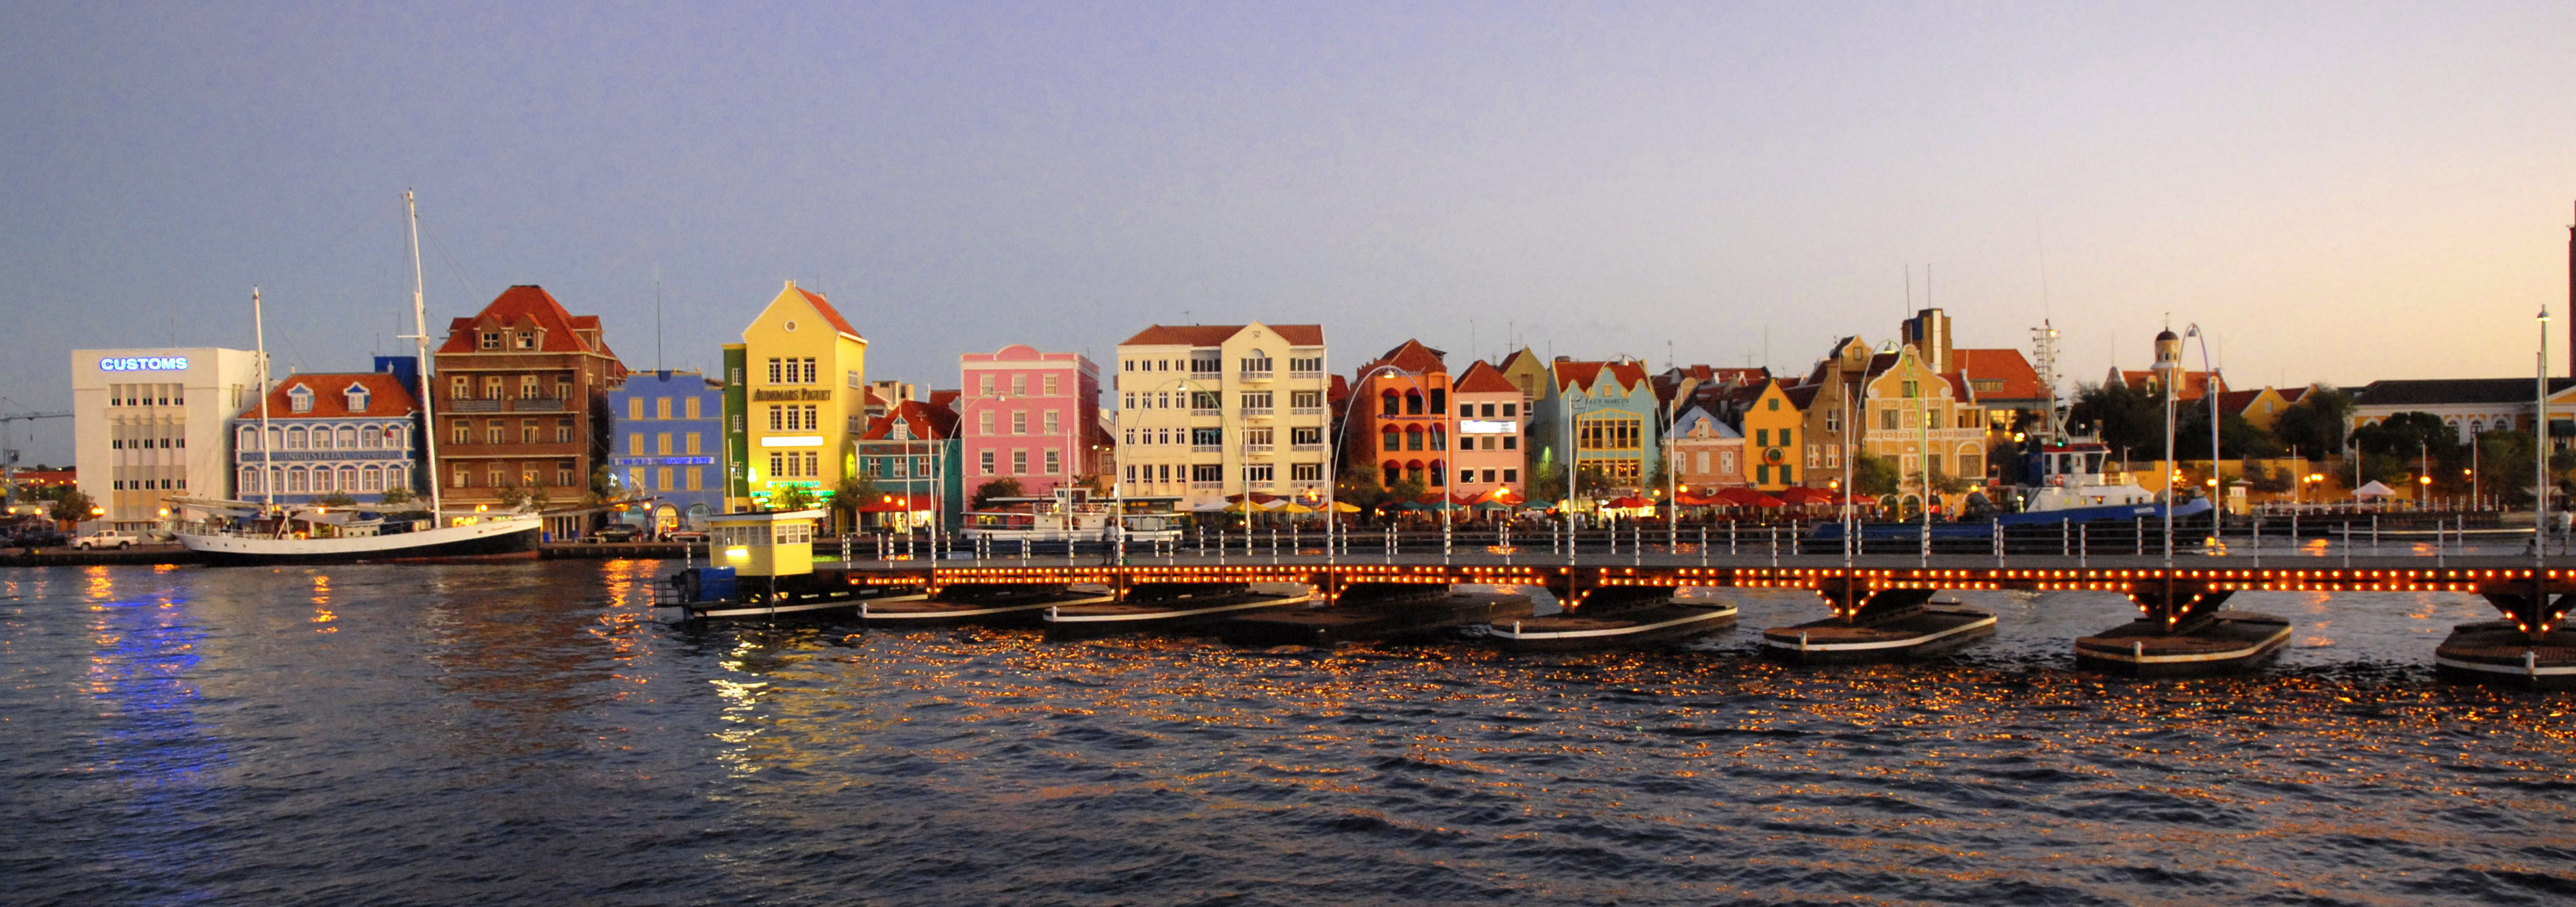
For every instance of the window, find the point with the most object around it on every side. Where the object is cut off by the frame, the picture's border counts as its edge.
(1762, 437)
(527, 340)
(1387, 403)
(1773, 403)
(295, 439)
(1786, 471)
(1306, 400)
(1306, 365)
(984, 463)
(662, 445)
(1413, 403)
(491, 387)
(1054, 461)
(461, 478)
(1020, 423)
(1206, 363)
(1439, 437)
(1413, 437)
(693, 446)
(563, 389)
(1054, 422)
(492, 432)
(1785, 435)
(527, 431)
(1257, 364)
(984, 424)
(1511, 442)
(563, 431)
(1256, 401)
(1439, 399)
(460, 387)
(1762, 475)
(808, 363)
(527, 387)
(1393, 439)
(691, 405)
(1611, 432)
(635, 409)
(1912, 389)
(370, 437)
(1305, 435)
(357, 398)
(773, 370)
(464, 432)
(299, 399)
(777, 418)
(1306, 472)
(1047, 385)
(1207, 437)
(1260, 473)
(1019, 462)
(983, 385)
(1887, 420)
(1206, 400)
(490, 340)
(1511, 475)
(697, 478)
(1131, 437)
(1019, 385)
(1833, 420)
(1508, 409)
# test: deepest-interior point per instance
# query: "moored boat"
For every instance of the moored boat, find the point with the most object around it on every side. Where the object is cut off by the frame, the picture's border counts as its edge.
(1165, 610)
(1410, 617)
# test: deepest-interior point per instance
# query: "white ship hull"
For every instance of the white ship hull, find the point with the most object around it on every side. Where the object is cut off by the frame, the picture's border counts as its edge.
(488, 539)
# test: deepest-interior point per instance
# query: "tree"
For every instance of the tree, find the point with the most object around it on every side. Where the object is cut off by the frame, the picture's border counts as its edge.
(337, 499)
(73, 507)
(853, 491)
(1591, 482)
(2314, 425)
(511, 496)
(397, 497)
(1004, 487)
(1358, 487)
(1872, 474)
(1945, 483)
(794, 498)
(2125, 418)
(1406, 489)
(2238, 437)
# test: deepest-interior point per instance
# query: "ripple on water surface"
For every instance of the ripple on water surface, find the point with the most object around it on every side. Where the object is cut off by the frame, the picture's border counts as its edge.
(533, 733)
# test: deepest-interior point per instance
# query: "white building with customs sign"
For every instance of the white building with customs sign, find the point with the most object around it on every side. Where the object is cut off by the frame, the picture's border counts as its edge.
(149, 425)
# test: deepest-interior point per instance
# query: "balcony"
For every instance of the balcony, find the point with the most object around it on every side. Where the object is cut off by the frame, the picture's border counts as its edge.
(1305, 410)
(1207, 486)
(1250, 375)
(1305, 376)
(1259, 448)
(1250, 412)
(1306, 448)
(473, 406)
(1207, 413)
(537, 405)
(1207, 448)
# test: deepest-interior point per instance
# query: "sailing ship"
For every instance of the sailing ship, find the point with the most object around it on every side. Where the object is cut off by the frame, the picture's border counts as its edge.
(1070, 514)
(244, 532)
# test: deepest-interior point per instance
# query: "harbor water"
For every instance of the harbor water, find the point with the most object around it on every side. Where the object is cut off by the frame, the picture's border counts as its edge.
(535, 733)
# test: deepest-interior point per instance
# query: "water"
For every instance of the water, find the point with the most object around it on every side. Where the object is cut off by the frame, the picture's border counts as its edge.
(532, 734)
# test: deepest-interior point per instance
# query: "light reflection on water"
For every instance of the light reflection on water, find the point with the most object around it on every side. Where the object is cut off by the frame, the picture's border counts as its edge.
(533, 733)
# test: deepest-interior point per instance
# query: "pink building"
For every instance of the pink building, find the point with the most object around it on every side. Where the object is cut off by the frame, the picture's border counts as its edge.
(1030, 416)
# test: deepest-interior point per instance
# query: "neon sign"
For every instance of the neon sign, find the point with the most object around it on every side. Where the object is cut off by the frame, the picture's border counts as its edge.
(144, 364)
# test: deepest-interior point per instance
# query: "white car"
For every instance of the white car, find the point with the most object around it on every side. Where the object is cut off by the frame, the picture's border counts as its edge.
(106, 538)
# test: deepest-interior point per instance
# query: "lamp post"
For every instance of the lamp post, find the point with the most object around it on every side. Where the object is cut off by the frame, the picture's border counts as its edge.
(2169, 471)
(2208, 397)
(2540, 454)
(1360, 386)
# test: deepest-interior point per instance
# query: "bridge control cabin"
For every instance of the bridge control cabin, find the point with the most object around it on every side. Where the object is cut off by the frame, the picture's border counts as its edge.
(764, 544)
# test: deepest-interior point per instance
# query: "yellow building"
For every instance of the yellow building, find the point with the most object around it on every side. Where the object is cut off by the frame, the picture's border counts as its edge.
(1913, 413)
(805, 404)
(1772, 423)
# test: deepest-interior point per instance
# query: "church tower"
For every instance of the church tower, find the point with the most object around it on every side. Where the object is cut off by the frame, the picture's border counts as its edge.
(2168, 362)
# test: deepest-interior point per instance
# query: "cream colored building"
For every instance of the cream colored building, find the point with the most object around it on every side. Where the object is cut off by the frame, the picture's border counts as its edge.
(1913, 413)
(149, 425)
(1209, 411)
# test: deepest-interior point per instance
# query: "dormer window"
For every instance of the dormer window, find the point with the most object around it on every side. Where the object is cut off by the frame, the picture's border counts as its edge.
(902, 431)
(357, 398)
(527, 340)
(300, 399)
(491, 340)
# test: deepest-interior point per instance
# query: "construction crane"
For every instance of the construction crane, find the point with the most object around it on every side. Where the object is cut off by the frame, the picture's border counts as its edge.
(9, 455)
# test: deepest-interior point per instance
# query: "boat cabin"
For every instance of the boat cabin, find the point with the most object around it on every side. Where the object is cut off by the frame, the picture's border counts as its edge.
(764, 544)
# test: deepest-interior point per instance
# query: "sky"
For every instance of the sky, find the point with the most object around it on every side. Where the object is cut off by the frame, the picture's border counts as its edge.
(2336, 192)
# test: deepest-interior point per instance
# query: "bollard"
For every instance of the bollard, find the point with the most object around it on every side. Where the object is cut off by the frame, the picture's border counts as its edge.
(2083, 547)
(1703, 546)
(1775, 545)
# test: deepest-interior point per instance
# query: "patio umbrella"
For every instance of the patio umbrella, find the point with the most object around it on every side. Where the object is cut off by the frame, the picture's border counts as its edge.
(1294, 507)
(2374, 490)
(1490, 505)
(1345, 507)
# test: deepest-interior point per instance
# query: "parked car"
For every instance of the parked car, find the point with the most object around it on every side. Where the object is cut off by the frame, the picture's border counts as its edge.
(107, 538)
(617, 533)
(37, 537)
(690, 536)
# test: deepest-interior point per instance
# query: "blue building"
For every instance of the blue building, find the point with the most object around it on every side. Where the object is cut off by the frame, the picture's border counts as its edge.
(666, 448)
(355, 434)
(1615, 417)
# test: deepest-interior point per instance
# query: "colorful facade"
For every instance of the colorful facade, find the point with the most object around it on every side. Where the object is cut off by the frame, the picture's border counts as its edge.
(353, 434)
(914, 456)
(521, 404)
(1771, 425)
(1707, 453)
(1207, 411)
(668, 448)
(805, 397)
(1030, 416)
(1612, 414)
(1491, 433)
(1402, 417)
(1918, 420)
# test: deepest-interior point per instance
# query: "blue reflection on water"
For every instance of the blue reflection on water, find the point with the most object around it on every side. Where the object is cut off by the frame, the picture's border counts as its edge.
(152, 764)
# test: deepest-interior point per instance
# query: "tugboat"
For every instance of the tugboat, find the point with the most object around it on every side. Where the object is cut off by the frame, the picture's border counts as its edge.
(761, 565)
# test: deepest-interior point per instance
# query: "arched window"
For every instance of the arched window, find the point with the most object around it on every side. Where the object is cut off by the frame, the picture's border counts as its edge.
(374, 479)
(1394, 439)
(276, 438)
(1413, 437)
(1439, 438)
(1439, 473)
(295, 439)
(249, 481)
(276, 480)
(1394, 472)
(1387, 402)
(296, 480)
(1413, 403)
(348, 438)
(371, 437)
(394, 478)
(1413, 470)
(349, 478)
(248, 439)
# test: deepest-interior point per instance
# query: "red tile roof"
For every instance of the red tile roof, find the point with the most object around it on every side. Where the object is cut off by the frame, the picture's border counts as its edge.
(1483, 378)
(830, 314)
(529, 306)
(386, 396)
(1584, 374)
(2021, 382)
(928, 422)
(1413, 357)
(1215, 334)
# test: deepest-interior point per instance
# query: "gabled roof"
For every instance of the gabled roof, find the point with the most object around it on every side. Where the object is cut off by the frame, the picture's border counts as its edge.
(1216, 334)
(2452, 391)
(946, 399)
(1682, 424)
(1802, 396)
(927, 422)
(829, 313)
(2193, 383)
(1483, 378)
(2238, 401)
(1516, 356)
(2021, 382)
(528, 306)
(386, 396)
(1411, 356)
(2292, 394)
(1628, 375)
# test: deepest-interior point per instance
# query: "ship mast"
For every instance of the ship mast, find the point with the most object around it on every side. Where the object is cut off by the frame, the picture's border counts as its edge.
(420, 340)
(267, 456)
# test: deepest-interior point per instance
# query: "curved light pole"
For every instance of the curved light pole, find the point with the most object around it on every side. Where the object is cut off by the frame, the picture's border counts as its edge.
(2209, 397)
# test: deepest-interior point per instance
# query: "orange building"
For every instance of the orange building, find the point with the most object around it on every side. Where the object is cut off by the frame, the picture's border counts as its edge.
(521, 402)
(1402, 408)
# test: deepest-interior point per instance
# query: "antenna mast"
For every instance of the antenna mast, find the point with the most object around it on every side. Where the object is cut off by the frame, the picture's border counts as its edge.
(420, 342)
(2043, 348)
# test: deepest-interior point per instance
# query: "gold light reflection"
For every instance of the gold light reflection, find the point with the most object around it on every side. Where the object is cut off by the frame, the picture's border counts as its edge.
(322, 613)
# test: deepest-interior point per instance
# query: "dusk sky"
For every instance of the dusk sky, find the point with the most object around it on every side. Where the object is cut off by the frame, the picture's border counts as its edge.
(2339, 192)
